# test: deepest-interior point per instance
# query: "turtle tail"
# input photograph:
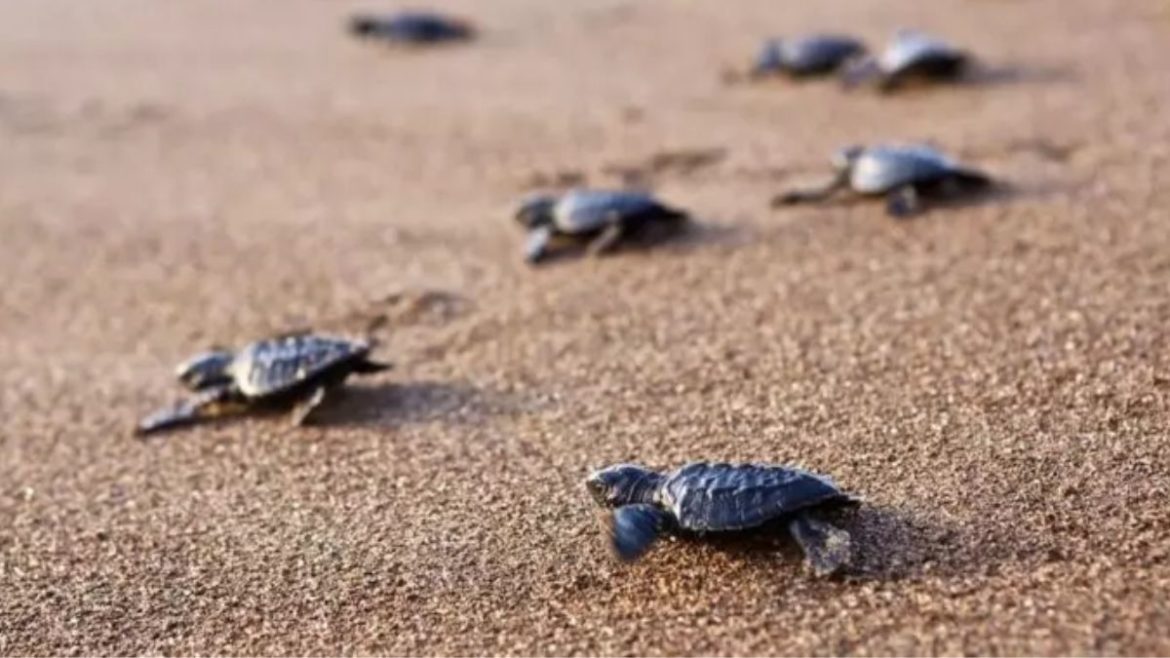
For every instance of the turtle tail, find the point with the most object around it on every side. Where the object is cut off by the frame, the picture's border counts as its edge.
(632, 529)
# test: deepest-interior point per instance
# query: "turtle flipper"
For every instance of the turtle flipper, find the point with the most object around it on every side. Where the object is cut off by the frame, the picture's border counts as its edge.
(210, 403)
(607, 240)
(904, 202)
(369, 367)
(810, 194)
(826, 546)
(633, 529)
(302, 413)
(537, 245)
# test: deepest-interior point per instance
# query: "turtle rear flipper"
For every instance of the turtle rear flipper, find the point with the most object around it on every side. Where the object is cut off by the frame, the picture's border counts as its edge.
(369, 367)
(634, 528)
(210, 403)
(607, 240)
(827, 547)
(970, 179)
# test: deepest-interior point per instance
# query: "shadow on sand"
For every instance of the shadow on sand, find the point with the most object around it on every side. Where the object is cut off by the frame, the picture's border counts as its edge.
(887, 546)
(392, 405)
(695, 234)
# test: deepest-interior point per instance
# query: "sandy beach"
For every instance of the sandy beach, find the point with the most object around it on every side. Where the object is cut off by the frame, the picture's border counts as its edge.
(992, 377)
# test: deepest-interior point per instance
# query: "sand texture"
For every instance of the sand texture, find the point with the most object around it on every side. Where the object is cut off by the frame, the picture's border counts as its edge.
(993, 378)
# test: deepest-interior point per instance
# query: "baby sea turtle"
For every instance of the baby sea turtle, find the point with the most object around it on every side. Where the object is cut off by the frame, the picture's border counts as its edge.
(410, 28)
(703, 497)
(297, 371)
(812, 55)
(600, 218)
(911, 56)
(904, 173)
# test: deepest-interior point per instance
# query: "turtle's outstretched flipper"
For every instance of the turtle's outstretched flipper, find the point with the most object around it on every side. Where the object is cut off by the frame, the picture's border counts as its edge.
(537, 245)
(810, 194)
(827, 547)
(633, 529)
(210, 403)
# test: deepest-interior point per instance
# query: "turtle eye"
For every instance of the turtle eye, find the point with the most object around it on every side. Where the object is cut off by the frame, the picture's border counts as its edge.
(599, 490)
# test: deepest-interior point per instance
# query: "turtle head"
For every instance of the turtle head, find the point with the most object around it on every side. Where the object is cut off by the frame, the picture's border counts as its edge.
(623, 484)
(844, 159)
(769, 60)
(536, 211)
(205, 370)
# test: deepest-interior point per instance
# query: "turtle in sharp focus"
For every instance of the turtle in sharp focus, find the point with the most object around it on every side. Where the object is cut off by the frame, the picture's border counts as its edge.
(910, 56)
(812, 55)
(298, 371)
(410, 28)
(904, 173)
(703, 497)
(600, 218)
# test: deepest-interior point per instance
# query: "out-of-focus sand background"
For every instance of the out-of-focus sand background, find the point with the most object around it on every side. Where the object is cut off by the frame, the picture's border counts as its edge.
(994, 378)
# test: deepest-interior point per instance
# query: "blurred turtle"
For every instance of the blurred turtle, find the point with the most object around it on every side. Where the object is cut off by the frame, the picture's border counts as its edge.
(906, 174)
(808, 56)
(911, 56)
(600, 218)
(410, 28)
(703, 497)
(298, 371)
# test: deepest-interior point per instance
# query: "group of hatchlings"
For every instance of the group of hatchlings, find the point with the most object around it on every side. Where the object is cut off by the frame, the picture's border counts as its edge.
(300, 372)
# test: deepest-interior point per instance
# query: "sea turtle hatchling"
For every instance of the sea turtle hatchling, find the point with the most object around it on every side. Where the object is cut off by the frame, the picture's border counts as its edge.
(807, 56)
(912, 55)
(410, 28)
(703, 497)
(600, 218)
(906, 174)
(297, 371)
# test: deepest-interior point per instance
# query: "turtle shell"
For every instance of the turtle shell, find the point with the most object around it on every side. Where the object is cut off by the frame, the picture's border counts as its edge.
(881, 168)
(589, 211)
(911, 50)
(277, 365)
(820, 53)
(720, 497)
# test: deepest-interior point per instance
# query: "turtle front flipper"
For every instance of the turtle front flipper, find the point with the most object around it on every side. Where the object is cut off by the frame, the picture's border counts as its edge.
(538, 242)
(633, 528)
(827, 547)
(210, 403)
(904, 201)
(811, 194)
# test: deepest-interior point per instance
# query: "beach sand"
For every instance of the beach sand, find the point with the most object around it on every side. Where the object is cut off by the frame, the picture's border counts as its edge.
(993, 377)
